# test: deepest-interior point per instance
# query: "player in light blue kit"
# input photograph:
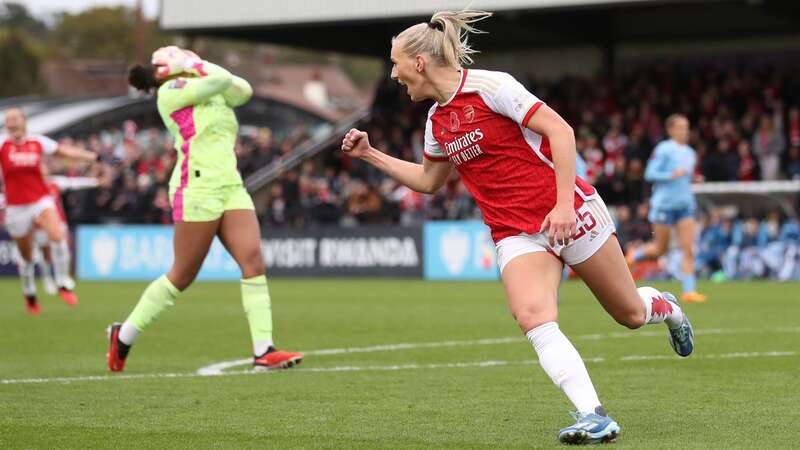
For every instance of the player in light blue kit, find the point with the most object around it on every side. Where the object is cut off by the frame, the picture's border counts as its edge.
(672, 204)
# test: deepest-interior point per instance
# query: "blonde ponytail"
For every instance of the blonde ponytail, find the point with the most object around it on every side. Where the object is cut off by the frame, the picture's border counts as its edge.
(445, 37)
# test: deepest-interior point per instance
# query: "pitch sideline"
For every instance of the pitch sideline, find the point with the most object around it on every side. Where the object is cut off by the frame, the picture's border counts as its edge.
(218, 368)
(393, 367)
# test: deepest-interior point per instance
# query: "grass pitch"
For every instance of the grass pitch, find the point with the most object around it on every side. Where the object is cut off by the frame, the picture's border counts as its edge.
(392, 364)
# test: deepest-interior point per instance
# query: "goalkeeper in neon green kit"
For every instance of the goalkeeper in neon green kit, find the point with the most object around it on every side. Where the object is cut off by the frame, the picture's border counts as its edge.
(196, 100)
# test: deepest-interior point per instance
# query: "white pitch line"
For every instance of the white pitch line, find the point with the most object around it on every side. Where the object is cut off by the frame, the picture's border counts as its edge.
(712, 356)
(217, 368)
(214, 369)
(393, 367)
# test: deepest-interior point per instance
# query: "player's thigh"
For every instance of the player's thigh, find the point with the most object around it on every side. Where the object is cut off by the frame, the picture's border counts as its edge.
(190, 243)
(240, 233)
(686, 230)
(19, 220)
(607, 275)
(49, 221)
(531, 283)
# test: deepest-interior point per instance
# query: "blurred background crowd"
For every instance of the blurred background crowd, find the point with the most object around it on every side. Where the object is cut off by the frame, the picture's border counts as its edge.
(744, 113)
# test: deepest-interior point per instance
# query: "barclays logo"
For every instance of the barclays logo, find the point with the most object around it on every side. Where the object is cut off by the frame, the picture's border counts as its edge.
(104, 253)
(454, 250)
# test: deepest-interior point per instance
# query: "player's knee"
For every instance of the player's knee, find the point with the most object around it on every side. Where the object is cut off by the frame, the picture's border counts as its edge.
(181, 280)
(56, 235)
(528, 318)
(632, 319)
(252, 264)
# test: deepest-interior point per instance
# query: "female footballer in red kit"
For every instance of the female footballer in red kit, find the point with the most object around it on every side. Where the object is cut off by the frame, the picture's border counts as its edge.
(516, 156)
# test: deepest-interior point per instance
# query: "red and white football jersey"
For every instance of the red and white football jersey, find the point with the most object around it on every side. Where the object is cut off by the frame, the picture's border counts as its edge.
(507, 167)
(21, 164)
(55, 193)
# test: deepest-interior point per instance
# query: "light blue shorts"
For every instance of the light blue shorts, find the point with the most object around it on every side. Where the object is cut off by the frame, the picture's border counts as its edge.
(669, 216)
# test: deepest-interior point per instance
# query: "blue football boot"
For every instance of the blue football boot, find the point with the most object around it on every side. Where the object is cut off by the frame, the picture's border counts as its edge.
(591, 428)
(681, 338)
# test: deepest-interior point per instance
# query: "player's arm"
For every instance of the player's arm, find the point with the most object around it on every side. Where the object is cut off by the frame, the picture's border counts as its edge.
(51, 147)
(659, 167)
(561, 223)
(74, 183)
(207, 81)
(546, 122)
(427, 177)
(238, 93)
(75, 153)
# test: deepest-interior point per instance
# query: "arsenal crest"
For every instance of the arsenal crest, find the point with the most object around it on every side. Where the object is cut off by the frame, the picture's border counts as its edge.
(469, 113)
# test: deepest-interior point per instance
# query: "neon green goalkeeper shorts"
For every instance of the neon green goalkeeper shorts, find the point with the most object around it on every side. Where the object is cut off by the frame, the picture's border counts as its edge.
(203, 205)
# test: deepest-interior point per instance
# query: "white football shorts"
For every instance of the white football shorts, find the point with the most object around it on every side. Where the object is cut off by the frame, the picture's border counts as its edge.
(20, 218)
(594, 228)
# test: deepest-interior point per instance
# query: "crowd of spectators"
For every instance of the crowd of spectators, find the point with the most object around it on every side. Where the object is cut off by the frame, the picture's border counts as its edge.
(135, 166)
(745, 127)
(727, 247)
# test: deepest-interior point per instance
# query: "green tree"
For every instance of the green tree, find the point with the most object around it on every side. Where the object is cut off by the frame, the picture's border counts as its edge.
(107, 33)
(16, 15)
(19, 64)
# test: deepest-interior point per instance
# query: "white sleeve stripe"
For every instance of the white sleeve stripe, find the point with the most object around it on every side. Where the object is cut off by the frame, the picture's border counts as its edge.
(484, 80)
(480, 86)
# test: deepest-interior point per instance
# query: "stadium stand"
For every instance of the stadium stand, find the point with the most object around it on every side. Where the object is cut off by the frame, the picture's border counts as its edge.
(746, 127)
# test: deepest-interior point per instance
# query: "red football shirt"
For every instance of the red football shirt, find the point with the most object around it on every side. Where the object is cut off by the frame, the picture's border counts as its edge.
(507, 167)
(20, 162)
(55, 193)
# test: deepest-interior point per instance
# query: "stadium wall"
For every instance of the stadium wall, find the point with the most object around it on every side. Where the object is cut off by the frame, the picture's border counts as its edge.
(8, 256)
(437, 250)
(131, 252)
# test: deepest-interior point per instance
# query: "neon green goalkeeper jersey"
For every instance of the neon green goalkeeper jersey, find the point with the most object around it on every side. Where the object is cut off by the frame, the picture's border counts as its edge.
(198, 112)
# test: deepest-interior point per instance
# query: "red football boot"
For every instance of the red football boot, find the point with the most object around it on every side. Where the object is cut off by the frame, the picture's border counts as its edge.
(277, 359)
(68, 296)
(32, 305)
(116, 362)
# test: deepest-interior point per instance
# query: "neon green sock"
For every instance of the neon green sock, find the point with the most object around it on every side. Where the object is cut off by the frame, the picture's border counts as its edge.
(156, 299)
(258, 308)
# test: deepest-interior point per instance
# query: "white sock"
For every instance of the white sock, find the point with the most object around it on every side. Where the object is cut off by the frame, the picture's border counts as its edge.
(26, 275)
(659, 309)
(128, 333)
(60, 255)
(261, 347)
(46, 269)
(561, 361)
(47, 276)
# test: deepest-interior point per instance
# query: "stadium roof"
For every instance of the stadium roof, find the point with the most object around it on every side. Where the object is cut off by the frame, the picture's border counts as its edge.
(366, 27)
(83, 116)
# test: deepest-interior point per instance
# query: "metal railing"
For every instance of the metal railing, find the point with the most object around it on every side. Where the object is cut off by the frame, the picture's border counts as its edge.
(305, 150)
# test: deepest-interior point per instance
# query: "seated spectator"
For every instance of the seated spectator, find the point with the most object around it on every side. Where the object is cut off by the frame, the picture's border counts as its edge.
(793, 163)
(363, 203)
